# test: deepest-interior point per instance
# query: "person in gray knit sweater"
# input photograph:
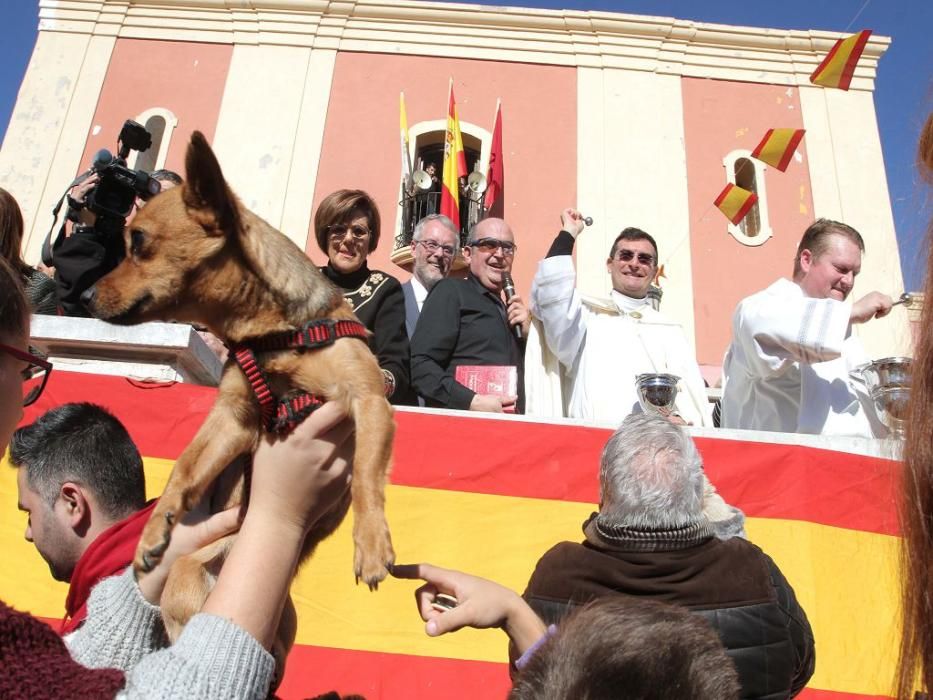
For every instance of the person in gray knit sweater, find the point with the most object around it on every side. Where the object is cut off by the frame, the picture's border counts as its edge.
(223, 652)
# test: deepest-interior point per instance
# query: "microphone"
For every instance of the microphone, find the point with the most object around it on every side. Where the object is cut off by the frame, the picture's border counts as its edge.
(508, 286)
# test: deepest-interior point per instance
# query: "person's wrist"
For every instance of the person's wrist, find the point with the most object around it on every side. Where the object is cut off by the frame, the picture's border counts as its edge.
(276, 524)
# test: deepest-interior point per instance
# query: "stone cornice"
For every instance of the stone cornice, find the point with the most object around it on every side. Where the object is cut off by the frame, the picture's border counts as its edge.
(558, 37)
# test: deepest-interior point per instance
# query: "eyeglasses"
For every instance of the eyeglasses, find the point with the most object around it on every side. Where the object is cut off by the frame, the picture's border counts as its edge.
(433, 246)
(337, 232)
(35, 375)
(626, 255)
(491, 245)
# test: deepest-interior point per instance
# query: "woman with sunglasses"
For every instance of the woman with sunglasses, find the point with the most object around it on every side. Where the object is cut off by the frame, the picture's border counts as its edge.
(224, 649)
(346, 227)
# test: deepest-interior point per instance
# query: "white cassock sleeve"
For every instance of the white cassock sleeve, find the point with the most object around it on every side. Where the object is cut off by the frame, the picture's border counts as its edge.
(774, 331)
(556, 302)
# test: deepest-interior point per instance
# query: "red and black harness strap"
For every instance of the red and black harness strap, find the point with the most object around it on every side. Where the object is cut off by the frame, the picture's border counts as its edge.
(282, 415)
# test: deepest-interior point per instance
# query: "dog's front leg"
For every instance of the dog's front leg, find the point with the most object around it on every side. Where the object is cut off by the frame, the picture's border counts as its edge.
(373, 555)
(229, 431)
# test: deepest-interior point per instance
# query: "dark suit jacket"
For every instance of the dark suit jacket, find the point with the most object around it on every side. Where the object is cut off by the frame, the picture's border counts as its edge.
(411, 308)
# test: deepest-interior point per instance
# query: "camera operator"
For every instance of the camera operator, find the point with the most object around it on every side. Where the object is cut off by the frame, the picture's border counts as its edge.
(99, 204)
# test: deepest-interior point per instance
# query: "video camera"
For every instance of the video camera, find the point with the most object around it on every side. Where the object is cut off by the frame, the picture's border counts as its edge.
(94, 249)
(113, 197)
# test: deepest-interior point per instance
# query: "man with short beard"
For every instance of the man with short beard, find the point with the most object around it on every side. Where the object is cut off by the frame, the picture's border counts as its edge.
(788, 367)
(433, 248)
(81, 484)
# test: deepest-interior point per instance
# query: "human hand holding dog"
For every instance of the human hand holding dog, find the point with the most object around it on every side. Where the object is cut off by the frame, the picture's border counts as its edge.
(481, 604)
(296, 480)
(196, 530)
(300, 478)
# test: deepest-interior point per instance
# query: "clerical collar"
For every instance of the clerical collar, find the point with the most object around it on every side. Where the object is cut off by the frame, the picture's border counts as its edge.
(628, 304)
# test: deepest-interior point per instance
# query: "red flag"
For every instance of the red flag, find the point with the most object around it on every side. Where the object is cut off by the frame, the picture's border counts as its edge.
(454, 162)
(495, 178)
(838, 67)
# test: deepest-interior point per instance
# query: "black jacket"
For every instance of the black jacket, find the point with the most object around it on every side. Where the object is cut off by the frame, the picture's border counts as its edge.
(376, 299)
(732, 584)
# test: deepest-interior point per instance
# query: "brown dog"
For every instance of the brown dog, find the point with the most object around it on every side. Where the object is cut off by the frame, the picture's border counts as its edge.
(195, 254)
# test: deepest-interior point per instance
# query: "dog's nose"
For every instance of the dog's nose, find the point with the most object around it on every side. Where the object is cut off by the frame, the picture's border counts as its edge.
(88, 296)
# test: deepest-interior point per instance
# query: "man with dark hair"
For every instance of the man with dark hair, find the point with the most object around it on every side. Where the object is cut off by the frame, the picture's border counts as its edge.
(602, 345)
(651, 540)
(82, 486)
(624, 647)
(788, 367)
(466, 323)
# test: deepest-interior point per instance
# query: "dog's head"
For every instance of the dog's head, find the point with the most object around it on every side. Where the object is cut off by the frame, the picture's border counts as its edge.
(177, 235)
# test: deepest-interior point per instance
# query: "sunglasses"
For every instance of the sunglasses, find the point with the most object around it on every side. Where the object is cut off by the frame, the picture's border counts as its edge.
(491, 245)
(35, 375)
(626, 255)
(433, 246)
(337, 232)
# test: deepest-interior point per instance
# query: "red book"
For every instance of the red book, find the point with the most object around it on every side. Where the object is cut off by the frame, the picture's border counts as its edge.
(497, 380)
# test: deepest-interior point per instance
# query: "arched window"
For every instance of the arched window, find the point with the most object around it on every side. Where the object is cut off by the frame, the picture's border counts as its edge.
(160, 123)
(426, 141)
(748, 173)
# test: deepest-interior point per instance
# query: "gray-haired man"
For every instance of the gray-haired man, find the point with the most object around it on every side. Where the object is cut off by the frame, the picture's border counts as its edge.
(652, 539)
(434, 246)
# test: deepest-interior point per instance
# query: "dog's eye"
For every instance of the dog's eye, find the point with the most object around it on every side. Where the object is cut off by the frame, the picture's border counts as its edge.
(136, 241)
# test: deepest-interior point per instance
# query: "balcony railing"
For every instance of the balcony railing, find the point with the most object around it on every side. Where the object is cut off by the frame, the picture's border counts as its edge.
(421, 204)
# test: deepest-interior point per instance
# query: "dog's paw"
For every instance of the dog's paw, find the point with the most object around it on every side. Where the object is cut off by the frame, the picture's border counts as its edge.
(372, 563)
(154, 541)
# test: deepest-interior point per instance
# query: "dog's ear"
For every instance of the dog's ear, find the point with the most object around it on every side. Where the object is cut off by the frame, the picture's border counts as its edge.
(205, 187)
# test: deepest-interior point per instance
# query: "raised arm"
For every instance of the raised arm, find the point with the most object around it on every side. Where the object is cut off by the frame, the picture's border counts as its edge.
(554, 298)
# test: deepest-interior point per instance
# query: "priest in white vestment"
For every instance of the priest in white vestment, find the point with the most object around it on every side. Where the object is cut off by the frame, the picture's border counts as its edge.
(602, 345)
(789, 366)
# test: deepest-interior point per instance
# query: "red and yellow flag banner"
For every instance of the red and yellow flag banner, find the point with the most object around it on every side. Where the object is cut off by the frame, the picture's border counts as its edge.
(735, 202)
(489, 496)
(838, 67)
(454, 162)
(778, 147)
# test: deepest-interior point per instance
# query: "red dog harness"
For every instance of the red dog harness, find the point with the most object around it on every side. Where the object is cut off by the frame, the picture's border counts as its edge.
(282, 415)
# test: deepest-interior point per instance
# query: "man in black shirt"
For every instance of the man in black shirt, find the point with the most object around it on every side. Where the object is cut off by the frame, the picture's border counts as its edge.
(466, 323)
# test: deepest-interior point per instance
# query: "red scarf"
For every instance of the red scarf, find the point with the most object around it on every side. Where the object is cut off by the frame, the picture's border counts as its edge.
(108, 555)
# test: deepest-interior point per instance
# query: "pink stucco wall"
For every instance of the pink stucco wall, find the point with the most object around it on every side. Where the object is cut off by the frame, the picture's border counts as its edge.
(361, 138)
(720, 117)
(186, 78)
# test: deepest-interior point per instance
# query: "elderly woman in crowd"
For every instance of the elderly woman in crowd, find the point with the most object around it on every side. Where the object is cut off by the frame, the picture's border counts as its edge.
(40, 288)
(346, 227)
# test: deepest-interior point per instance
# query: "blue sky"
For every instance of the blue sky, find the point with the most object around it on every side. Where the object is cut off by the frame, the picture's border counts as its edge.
(903, 92)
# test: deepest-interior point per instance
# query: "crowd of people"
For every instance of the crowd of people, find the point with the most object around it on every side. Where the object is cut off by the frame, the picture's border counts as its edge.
(664, 592)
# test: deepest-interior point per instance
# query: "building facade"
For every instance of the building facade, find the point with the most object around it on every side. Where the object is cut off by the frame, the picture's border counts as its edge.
(637, 121)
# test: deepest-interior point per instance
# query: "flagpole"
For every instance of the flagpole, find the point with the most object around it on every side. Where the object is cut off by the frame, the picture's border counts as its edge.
(404, 119)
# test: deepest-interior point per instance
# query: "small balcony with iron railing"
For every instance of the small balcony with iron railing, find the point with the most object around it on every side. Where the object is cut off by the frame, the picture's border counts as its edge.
(419, 202)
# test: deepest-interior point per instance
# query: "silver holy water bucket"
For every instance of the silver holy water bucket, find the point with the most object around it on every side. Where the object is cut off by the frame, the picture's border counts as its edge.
(657, 392)
(888, 384)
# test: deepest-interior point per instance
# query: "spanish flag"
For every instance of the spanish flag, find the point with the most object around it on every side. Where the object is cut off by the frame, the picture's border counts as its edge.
(778, 146)
(454, 162)
(735, 202)
(826, 517)
(838, 67)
